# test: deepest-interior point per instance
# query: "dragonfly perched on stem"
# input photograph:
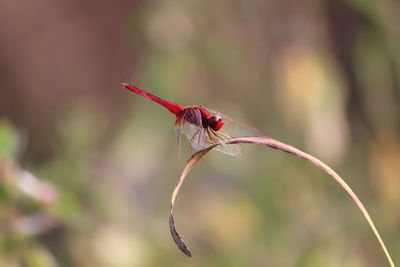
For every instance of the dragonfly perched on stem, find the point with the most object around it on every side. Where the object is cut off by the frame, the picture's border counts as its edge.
(203, 127)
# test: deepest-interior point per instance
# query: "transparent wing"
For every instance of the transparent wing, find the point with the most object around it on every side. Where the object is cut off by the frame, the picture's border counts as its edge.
(190, 125)
(231, 149)
(178, 130)
(231, 129)
(200, 138)
(234, 128)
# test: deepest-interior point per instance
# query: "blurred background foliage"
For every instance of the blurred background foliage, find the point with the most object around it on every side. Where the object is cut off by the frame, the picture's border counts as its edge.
(87, 168)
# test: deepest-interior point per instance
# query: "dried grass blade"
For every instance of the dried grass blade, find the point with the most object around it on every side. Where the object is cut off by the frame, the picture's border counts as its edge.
(188, 167)
(272, 143)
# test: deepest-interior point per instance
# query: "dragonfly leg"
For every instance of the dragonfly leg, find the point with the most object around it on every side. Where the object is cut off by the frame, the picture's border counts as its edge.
(215, 133)
(209, 136)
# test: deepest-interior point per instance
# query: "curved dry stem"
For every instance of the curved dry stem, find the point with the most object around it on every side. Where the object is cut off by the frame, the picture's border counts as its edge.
(272, 143)
(188, 167)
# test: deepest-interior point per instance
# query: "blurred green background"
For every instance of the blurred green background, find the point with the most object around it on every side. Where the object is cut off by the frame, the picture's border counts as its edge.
(87, 168)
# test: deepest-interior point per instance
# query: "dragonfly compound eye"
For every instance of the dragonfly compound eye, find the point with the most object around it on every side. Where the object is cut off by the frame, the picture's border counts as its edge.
(216, 122)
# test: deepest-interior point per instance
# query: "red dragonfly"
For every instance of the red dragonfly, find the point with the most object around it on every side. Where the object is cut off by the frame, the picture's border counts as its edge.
(203, 127)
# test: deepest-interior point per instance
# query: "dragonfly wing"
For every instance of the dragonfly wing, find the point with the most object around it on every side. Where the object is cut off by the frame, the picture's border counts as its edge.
(230, 129)
(235, 128)
(191, 126)
(178, 130)
(232, 150)
(214, 137)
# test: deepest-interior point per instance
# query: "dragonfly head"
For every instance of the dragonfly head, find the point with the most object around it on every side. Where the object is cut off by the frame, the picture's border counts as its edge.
(215, 122)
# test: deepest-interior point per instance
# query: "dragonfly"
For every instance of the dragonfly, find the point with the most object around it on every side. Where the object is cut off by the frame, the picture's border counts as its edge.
(202, 126)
